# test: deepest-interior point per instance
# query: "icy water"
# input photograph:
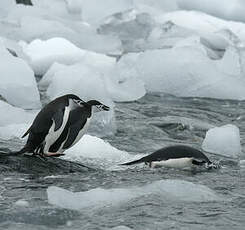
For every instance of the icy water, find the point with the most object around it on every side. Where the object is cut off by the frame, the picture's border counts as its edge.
(152, 122)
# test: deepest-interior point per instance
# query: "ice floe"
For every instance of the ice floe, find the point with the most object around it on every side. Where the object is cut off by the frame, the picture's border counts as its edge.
(224, 140)
(184, 70)
(231, 10)
(94, 150)
(10, 115)
(98, 198)
(18, 85)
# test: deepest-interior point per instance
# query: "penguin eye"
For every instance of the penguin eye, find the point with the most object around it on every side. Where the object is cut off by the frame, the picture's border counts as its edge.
(78, 102)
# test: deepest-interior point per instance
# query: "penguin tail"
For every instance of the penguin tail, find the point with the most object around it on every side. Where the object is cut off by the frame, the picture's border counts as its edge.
(141, 160)
(26, 149)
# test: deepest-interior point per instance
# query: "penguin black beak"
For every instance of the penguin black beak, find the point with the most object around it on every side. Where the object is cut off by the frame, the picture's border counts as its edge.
(104, 107)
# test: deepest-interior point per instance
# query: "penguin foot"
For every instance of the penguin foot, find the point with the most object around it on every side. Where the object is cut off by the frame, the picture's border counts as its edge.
(49, 154)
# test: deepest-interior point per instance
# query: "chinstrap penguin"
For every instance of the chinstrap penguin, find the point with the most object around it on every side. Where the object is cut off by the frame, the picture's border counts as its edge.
(176, 156)
(59, 125)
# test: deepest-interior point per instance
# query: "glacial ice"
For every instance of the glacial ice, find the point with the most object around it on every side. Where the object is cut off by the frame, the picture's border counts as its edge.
(97, 198)
(18, 85)
(224, 140)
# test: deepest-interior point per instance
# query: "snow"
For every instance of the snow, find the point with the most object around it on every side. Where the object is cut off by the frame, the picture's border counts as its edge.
(18, 85)
(98, 198)
(95, 150)
(224, 140)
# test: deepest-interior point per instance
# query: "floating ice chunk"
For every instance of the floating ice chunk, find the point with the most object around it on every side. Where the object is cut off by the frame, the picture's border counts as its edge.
(121, 227)
(5, 7)
(194, 74)
(232, 10)
(242, 163)
(22, 203)
(13, 115)
(169, 190)
(231, 62)
(43, 53)
(129, 90)
(94, 11)
(97, 151)
(74, 6)
(81, 80)
(224, 140)
(48, 76)
(94, 147)
(155, 7)
(18, 85)
(11, 131)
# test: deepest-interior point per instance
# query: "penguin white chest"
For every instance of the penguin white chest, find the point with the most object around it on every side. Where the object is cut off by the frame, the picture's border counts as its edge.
(53, 135)
(173, 163)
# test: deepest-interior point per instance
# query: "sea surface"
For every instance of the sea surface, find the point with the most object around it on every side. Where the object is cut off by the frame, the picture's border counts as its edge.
(143, 126)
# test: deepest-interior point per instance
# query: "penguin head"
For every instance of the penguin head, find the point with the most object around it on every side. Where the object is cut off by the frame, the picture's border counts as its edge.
(98, 105)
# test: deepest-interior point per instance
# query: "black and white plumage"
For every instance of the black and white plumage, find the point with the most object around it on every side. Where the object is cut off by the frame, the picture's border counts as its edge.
(59, 125)
(176, 156)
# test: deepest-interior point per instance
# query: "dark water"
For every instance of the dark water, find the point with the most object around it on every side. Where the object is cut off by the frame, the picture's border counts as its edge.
(143, 126)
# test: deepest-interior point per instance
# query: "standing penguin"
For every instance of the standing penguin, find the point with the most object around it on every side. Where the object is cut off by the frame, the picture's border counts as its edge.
(176, 156)
(59, 125)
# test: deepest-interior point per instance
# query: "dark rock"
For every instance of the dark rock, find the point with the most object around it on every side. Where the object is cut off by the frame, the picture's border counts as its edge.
(36, 165)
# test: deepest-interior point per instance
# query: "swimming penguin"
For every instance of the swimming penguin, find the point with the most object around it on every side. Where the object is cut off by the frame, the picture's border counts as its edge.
(176, 156)
(59, 125)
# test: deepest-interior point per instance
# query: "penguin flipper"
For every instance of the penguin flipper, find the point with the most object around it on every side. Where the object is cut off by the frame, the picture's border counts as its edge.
(141, 160)
(58, 119)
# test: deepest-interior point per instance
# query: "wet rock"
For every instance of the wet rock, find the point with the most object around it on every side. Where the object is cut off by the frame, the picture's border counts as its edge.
(36, 165)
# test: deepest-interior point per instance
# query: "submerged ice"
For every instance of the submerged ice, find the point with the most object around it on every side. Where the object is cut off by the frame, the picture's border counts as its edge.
(168, 190)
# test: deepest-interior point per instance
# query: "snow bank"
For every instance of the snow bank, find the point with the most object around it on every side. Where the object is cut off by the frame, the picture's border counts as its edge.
(224, 140)
(94, 150)
(18, 85)
(169, 190)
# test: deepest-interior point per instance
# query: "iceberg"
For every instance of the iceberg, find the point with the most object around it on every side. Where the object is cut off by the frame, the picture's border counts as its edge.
(224, 140)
